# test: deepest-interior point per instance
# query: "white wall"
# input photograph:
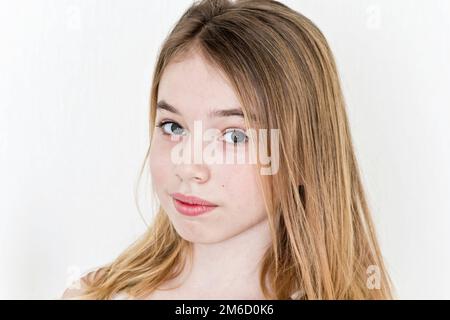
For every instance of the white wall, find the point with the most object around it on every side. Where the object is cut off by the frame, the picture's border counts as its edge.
(74, 86)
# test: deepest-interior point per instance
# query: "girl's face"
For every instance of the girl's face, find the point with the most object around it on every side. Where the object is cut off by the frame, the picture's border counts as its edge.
(194, 89)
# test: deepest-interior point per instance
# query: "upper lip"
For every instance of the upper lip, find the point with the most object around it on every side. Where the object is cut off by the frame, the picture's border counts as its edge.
(191, 199)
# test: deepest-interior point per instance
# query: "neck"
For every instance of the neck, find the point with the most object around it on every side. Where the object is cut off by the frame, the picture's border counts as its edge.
(228, 269)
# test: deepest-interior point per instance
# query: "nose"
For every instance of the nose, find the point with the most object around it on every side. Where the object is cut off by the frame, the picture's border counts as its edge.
(191, 170)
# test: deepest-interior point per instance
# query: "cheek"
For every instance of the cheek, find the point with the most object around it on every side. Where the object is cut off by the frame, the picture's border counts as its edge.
(240, 186)
(159, 163)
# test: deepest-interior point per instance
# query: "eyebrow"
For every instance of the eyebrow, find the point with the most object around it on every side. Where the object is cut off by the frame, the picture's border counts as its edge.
(162, 104)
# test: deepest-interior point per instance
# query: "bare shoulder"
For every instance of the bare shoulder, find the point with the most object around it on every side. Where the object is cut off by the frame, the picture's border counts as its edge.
(77, 288)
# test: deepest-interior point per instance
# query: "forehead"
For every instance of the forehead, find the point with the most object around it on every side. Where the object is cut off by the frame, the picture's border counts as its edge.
(194, 85)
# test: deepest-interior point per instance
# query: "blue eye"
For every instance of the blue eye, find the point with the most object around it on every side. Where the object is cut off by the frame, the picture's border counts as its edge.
(235, 136)
(170, 128)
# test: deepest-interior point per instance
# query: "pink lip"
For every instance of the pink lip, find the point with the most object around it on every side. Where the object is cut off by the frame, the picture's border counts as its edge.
(191, 199)
(191, 206)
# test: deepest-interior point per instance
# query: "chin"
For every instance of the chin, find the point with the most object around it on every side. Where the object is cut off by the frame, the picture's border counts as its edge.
(192, 234)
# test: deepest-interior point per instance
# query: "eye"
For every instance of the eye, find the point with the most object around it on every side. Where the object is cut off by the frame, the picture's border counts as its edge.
(170, 128)
(235, 136)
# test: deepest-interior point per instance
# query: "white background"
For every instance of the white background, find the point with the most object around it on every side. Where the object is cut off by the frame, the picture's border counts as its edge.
(74, 86)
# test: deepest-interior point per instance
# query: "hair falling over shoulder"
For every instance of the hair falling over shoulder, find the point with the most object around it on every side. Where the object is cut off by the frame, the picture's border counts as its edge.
(281, 66)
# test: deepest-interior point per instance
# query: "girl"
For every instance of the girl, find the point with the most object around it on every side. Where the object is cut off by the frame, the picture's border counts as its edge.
(300, 229)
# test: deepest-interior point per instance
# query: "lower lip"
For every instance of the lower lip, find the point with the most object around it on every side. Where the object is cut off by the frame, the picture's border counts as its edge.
(191, 209)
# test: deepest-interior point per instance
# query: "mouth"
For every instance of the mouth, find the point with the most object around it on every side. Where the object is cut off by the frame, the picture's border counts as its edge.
(190, 205)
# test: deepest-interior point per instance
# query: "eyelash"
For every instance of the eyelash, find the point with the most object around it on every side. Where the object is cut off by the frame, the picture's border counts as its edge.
(162, 123)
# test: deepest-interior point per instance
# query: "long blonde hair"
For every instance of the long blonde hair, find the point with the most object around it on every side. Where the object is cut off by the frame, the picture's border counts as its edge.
(284, 72)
